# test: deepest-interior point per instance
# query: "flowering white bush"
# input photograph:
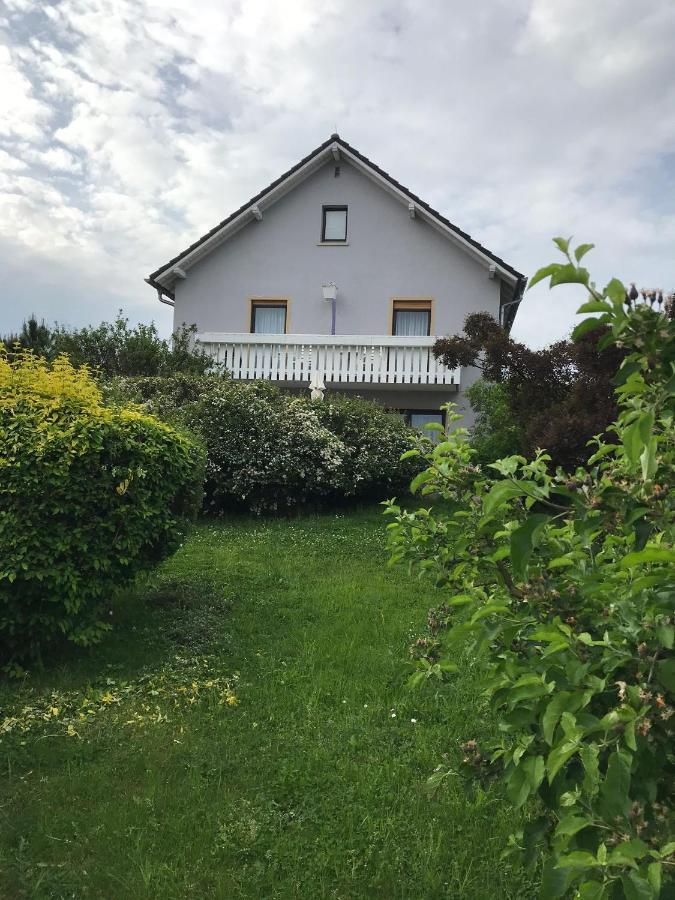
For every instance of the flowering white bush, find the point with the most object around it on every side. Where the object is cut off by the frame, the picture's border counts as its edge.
(266, 450)
(271, 450)
(374, 441)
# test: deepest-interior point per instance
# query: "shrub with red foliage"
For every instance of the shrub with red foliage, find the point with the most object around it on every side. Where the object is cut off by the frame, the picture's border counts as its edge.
(560, 396)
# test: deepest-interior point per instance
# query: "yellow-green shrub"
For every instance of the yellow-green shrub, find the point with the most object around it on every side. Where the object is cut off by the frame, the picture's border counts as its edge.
(89, 496)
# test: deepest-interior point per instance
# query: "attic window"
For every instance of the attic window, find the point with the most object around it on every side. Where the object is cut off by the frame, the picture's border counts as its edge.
(334, 224)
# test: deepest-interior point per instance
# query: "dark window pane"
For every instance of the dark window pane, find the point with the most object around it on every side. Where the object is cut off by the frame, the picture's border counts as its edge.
(419, 419)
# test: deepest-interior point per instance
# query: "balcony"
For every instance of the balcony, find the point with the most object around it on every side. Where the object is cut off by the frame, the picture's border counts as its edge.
(338, 359)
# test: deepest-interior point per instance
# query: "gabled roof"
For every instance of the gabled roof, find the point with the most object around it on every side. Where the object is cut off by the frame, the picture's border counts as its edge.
(166, 276)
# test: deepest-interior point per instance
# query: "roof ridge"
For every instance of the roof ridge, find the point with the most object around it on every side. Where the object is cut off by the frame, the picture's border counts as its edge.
(335, 137)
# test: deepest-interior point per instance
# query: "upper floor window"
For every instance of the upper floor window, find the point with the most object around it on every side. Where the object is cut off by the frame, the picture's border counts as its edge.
(269, 316)
(411, 317)
(334, 225)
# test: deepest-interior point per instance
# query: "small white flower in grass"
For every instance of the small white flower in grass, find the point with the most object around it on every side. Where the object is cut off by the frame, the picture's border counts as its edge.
(393, 714)
(365, 706)
(413, 721)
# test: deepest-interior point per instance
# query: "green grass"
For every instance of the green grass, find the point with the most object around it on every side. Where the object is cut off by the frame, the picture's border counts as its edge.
(309, 788)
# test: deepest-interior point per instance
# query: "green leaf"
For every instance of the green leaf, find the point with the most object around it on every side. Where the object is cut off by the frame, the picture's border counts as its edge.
(635, 887)
(654, 876)
(666, 635)
(592, 890)
(585, 326)
(579, 859)
(665, 671)
(562, 243)
(650, 554)
(648, 462)
(555, 882)
(560, 754)
(525, 780)
(569, 274)
(616, 292)
(615, 789)
(627, 853)
(570, 825)
(637, 435)
(589, 754)
(562, 701)
(420, 479)
(560, 562)
(582, 250)
(593, 306)
(523, 540)
(542, 273)
(499, 493)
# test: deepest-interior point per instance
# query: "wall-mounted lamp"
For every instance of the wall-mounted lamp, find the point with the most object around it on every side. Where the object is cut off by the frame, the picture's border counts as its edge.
(330, 293)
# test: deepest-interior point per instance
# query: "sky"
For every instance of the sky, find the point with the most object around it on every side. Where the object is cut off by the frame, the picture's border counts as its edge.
(128, 128)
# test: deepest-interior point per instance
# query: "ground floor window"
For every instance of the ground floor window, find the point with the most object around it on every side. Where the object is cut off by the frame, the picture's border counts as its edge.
(418, 419)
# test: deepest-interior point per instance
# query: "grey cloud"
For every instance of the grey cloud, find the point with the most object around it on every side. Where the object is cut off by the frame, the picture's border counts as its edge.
(519, 119)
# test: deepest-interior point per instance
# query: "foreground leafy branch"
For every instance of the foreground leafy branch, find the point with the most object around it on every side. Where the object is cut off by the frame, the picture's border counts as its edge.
(566, 582)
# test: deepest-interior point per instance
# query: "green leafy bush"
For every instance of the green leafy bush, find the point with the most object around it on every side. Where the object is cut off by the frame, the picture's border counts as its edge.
(166, 396)
(115, 349)
(495, 432)
(374, 441)
(266, 450)
(89, 496)
(269, 450)
(567, 583)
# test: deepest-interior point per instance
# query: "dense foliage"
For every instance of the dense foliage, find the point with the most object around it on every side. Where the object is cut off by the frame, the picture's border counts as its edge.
(89, 495)
(270, 450)
(113, 348)
(567, 582)
(495, 432)
(560, 396)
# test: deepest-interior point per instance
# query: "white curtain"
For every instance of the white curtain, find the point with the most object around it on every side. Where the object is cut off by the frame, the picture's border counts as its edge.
(269, 320)
(411, 322)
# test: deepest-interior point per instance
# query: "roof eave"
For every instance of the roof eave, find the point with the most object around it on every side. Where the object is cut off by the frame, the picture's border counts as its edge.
(164, 278)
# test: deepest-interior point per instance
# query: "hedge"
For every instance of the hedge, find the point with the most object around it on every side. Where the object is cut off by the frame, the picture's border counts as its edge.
(90, 495)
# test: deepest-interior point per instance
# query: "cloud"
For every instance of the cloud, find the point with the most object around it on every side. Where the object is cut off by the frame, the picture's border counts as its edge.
(129, 127)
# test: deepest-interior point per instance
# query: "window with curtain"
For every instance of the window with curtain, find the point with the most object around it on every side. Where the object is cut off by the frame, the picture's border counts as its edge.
(334, 225)
(411, 318)
(268, 318)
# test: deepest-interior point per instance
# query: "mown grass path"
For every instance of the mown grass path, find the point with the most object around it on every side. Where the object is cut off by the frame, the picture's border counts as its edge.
(312, 787)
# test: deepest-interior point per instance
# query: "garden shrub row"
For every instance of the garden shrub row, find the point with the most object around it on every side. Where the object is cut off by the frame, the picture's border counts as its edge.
(269, 450)
(90, 495)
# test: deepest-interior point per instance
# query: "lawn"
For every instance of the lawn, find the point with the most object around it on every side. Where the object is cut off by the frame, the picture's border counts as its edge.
(132, 771)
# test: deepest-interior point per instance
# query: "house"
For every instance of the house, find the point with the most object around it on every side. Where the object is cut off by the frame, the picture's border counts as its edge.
(336, 274)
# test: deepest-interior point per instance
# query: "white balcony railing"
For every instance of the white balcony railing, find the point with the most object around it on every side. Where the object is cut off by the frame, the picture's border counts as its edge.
(366, 359)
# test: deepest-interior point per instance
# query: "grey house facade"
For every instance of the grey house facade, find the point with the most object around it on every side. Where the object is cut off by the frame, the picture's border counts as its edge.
(337, 275)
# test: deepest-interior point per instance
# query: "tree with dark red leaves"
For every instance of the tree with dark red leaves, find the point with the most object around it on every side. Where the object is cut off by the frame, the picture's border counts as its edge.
(560, 396)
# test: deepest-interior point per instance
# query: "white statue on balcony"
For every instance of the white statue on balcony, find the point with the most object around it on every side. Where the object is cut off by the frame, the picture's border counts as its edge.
(316, 387)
